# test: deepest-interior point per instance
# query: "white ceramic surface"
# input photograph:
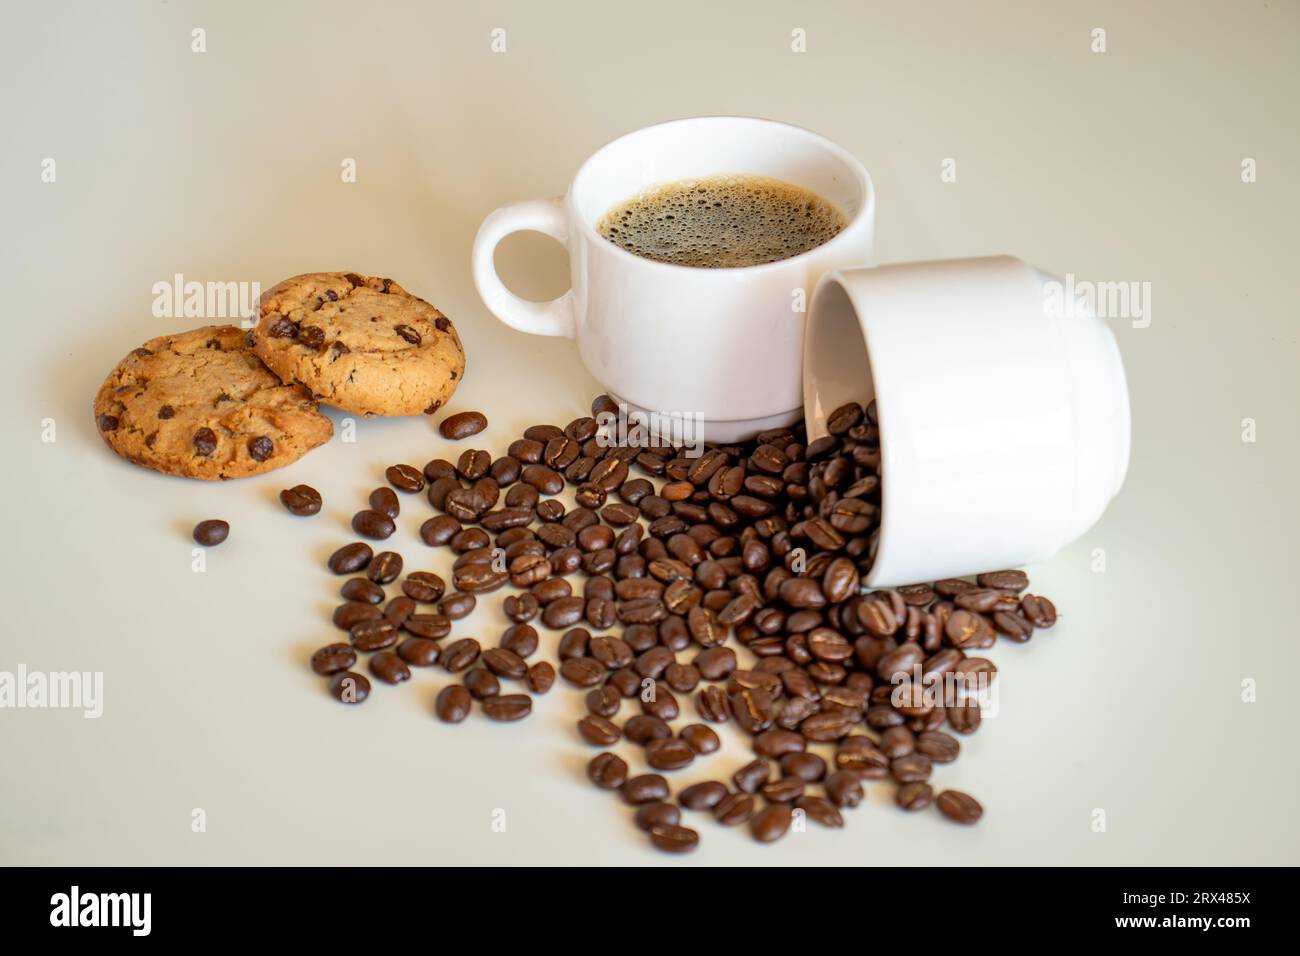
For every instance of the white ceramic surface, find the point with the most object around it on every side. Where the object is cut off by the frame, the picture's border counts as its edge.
(725, 344)
(1004, 425)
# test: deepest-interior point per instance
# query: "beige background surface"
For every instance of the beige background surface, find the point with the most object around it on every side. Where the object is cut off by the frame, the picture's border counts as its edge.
(225, 166)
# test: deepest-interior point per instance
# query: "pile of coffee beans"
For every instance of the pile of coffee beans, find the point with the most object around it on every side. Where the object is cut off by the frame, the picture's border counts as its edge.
(732, 576)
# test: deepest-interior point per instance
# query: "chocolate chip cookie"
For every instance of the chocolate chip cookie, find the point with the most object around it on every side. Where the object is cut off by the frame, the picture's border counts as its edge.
(360, 343)
(200, 404)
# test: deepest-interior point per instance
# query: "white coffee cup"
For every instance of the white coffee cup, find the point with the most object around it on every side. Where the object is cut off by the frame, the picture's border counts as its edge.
(721, 345)
(1003, 409)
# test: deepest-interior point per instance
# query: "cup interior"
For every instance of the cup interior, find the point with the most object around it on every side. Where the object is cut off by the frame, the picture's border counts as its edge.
(837, 364)
(712, 146)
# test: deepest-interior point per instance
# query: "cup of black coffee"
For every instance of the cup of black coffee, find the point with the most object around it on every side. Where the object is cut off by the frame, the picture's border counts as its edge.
(694, 247)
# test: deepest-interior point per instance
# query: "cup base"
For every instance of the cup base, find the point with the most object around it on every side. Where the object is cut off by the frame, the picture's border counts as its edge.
(694, 430)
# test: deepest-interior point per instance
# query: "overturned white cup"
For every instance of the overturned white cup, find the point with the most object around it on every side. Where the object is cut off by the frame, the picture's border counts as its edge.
(1004, 423)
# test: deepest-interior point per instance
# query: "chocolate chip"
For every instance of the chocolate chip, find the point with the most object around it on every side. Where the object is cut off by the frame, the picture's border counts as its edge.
(282, 328)
(339, 348)
(312, 336)
(354, 279)
(108, 423)
(261, 448)
(442, 323)
(407, 333)
(205, 441)
(331, 295)
(141, 352)
(166, 412)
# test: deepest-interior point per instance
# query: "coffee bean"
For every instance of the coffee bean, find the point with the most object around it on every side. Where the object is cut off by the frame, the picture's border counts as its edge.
(646, 788)
(1013, 625)
(418, 651)
(777, 743)
(373, 524)
(643, 728)
(373, 635)
(462, 425)
(521, 639)
(350, 613)
(650, 815)
(784, 790)
(521, 607)
(897, 742)
(911, 768)
(914, 796)
(333, 658)
(399, 610)
(959, 807)
(582, 671)
(457, 605)
(598, 731)
(508, 707)
(481, 683)
(751, 777)
(820, 810)
(604, 701)
(406, 478)
(1008, 580)
(733, 809)
(424, 586)
(459, 655)
(703, 796)
(564, 612)
(473, 464)
(969, 629)
(349, 687)
(844, 788)
(700, 738)
(826, 727)
(362, 590)
(212, 532)
(840, 581)
(669, 753)
(541, 676)
(809, 768)
(965, 717)
(607, 771)
(384, 567)
(1040, 611)
(478, 578)
(390, 668)
(938, 746)
(711, 703)
(771, 823)
(674, 839)
(432, 627)
(385, 502)
(505, 663)
(716, 663)
(301, 500)
(453, 704)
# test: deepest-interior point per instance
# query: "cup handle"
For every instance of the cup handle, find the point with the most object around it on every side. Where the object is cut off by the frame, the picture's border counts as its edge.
(546, 216)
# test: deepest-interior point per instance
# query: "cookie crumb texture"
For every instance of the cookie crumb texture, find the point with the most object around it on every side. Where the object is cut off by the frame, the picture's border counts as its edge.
(200, 404)
(360, 343)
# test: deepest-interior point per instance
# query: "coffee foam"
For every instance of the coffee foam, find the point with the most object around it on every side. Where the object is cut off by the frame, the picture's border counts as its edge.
(721, 222)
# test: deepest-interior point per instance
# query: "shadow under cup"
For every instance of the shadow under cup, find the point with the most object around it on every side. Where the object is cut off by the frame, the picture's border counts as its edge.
(721, 346)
